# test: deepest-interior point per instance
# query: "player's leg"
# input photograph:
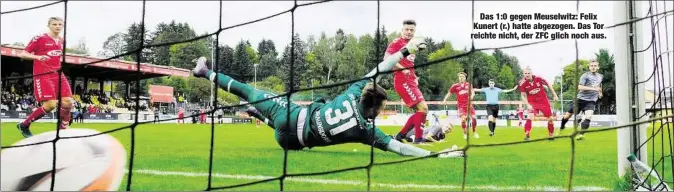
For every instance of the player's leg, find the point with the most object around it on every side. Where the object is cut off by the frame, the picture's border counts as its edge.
(527, 123)
(473, 121)
(256, 114)
(66, 102)
(588, 110)
(275, 109)
(45, 92)
(464, 117)
(547, 113)
(493, 114)
(422, 110)
(567, 116)
(410, 94)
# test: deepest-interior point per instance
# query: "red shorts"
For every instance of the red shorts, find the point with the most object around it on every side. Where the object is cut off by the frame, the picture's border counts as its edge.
(543, 107)
(46, 87)
(463, 110)
(408, 90)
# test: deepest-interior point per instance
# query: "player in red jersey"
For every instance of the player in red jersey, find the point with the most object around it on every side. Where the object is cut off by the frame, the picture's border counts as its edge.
(45, 50)
(406, 84)
(520, 114)
(533, 89)
(464, 92)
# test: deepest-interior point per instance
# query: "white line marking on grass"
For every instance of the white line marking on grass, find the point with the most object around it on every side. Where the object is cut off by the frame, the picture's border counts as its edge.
(363, 183)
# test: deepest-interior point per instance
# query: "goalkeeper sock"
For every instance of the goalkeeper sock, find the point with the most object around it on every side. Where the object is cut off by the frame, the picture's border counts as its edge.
(527, 127)
(230, 85)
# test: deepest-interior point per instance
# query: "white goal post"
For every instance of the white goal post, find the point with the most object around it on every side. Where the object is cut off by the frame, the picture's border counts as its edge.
(626, 107)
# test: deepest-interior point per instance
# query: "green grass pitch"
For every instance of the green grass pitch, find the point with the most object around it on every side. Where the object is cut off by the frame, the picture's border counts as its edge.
(175, 157)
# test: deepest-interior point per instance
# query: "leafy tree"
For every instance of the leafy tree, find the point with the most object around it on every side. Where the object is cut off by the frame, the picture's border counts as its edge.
(183, 54)
(242, 67)
(606, 105)
(299, 64)
(167, 33)
(114, 45)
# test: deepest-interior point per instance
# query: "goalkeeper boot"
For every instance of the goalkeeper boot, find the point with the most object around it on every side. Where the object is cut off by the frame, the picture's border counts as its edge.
(476, 135)
(201, 69)
(25, 131)
(527, 138)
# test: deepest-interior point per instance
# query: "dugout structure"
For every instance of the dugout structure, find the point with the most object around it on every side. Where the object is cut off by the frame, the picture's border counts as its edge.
(109, 70)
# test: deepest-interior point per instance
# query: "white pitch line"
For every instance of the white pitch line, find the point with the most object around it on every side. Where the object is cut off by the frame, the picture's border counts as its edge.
(361, 183)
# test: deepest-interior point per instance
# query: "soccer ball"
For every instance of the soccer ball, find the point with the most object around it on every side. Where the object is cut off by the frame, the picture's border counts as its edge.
(82, 164)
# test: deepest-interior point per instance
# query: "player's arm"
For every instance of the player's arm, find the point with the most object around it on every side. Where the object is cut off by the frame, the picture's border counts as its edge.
(386, 143)
(472, 92)
(510, 90)
(554, 94)
(447, 96)
(397, 65)
(582, 87)
(27, 52)
(412, 47)
(451, 90)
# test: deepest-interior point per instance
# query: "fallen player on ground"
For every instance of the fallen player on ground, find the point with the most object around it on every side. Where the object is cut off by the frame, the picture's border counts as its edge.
(346, 119)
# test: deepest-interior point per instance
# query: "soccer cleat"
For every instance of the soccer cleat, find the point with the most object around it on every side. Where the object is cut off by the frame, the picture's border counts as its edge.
(491, 134)
(399, 137)
(476, 135)
(558, 133)
(24, 130)
(201, 69)
(580, 137)
(527, 138)
(465, 136)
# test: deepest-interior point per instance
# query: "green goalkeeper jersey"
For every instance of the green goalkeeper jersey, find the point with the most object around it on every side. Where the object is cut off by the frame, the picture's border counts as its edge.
(341, 121)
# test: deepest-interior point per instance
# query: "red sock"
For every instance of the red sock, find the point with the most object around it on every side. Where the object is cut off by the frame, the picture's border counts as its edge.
(37, 114)
(474, 123)
(409, 124)
(65, 116)
(527, 127)
(551, 128)
(463, 126)
(420, 119)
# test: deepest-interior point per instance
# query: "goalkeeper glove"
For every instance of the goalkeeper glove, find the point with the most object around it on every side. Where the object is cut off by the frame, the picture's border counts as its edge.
(415, 45)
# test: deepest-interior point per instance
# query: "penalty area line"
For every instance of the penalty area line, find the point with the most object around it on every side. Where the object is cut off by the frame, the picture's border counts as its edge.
(362, 183)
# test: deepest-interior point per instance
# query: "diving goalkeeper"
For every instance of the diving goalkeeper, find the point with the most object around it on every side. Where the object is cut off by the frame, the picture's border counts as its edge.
(346, 119)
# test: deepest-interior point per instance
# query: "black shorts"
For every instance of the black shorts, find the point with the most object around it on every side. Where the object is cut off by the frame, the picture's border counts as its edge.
(219, 116)
(582, 106)
(492, 110)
